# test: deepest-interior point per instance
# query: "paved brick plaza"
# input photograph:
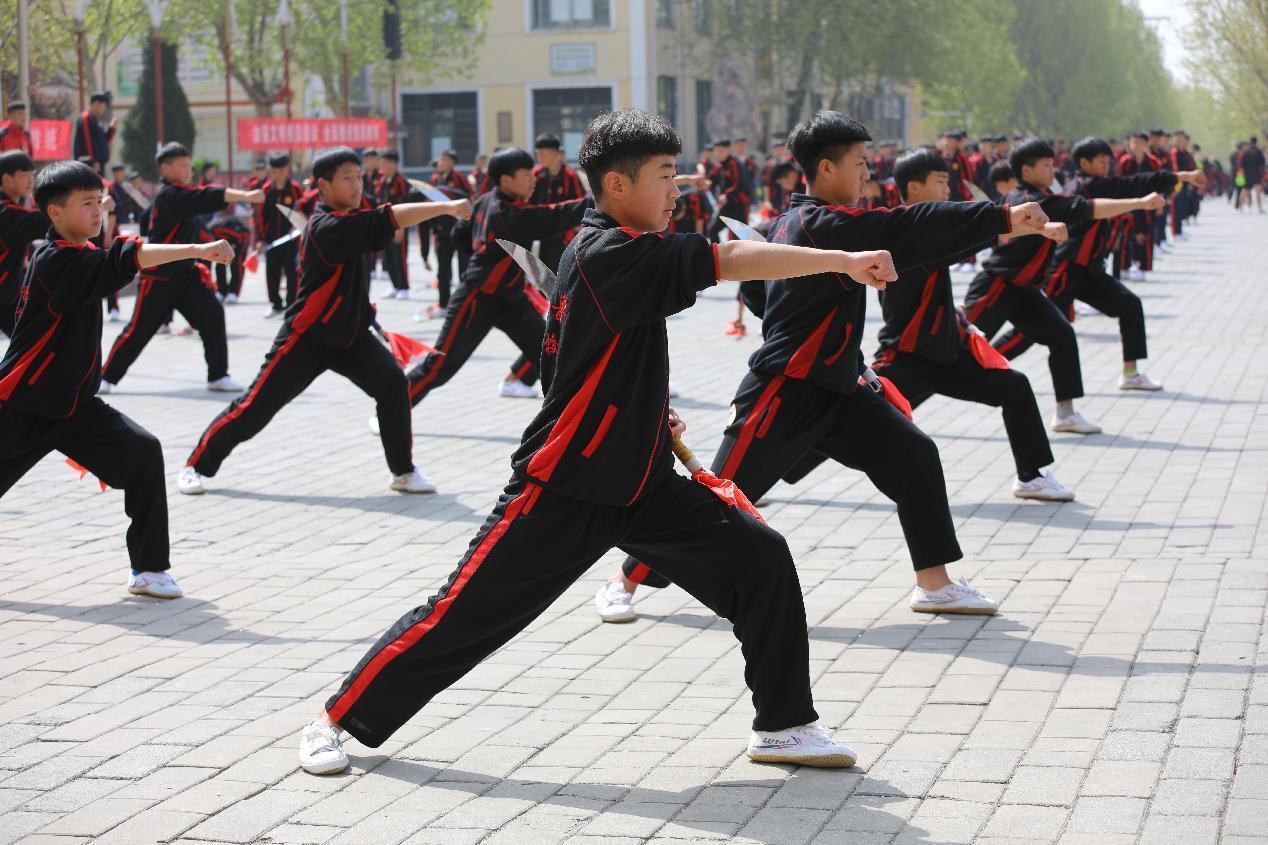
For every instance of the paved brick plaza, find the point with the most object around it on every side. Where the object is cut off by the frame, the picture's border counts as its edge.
(1116, 698)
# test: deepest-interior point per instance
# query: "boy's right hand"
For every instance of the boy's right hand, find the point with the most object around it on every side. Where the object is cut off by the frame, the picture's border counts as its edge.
(218, 252)
(1153, 202)
(254, 197)
(874, 268)
(1057, 232)
(1029, 216)
(460, 208)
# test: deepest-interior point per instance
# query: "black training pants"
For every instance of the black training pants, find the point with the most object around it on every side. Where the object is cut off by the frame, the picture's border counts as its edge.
(111, 447)
(229, 277)
(289, 367)
(444, 266)
(281, 260)
(396, 261)
(1034, 315)
(155, 301)
(778, 420)
(536, 543)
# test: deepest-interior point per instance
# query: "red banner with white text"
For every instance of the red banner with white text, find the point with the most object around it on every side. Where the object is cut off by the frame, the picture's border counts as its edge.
(308, 133)
(50, 139)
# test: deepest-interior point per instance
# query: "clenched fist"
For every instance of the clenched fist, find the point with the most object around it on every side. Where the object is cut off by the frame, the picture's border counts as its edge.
(218, 252)
(1027, 216)
(874, 268)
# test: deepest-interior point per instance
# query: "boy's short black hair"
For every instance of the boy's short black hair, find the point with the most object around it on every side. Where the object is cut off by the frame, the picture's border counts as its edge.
(171, 150)
(1157, 132)
(282, 160)
(16, 105)
(390, 155)
(15, 161)
(508, 162)
(624, 141)
(208, 165)
(61, 179)
(100, 97)
(117, 168)
(1000, 171)
(1089, 148)
(916, 166)
(325, 164)
(722, 142)
(1139, 133)
(781, 170)
(826, 135)
(1028, 152)
(548, 141)
(448, 153)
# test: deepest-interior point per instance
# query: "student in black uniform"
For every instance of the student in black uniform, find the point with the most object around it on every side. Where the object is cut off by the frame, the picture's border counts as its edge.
(126, 209)
(729, 183)
(328, 327)
(19, 226)
(556, 182)
(447, 178)
(803, 389)
(391, 188)
(595, 470)
(1009, 287)
(50, 373)
(92, 140)
(270, 225)
(228, 227)
(180, 285)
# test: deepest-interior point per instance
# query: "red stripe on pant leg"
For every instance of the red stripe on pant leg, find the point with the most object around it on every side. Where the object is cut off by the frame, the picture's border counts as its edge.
(446, 343)
(749, 429)
(237, 411)
(992, 294)
(640, 573)
(1010, 344)
(523, 370)
(520, 504)
(142, 291)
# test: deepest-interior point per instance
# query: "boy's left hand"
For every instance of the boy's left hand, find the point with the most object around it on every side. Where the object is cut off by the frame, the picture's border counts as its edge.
(676, 425)
(218, 252)
(1028, 215)
(874, 268)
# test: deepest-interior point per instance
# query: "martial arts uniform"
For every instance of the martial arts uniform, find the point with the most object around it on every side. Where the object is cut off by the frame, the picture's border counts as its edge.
(395, 255)
(270, 225)
(327, 327)
(15, 138)
(48, 383)
(1184, 200)
(455, 185)
(732, 197)
(1142, 222)
(92, 142)
(594, 471)
(560, 187)
(19, 226)
(238, 234)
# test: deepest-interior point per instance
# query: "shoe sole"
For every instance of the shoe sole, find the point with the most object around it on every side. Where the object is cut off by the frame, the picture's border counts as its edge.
(1043, 497)
(963, 611)
(142, 592)
(1126, 388)
(826, 761)
(187, 492)
(619, 619)
(1078, 430)
(328, 770)
(426, 492)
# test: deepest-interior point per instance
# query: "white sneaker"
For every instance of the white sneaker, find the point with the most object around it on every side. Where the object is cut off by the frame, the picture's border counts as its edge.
(673, 391)
(321, 751)
(1136, 274)
(413, 482)
(106, 387)
(517, 389)
(166, 328)
(231, 299)
(1076, 423)
(956, 597)
(805, 745)
(115, 316)
(274, 313)
(402, 294)
(224, 384)
(374, 426)
(1140, 381)
(190, 482)
(1045, 488)
(157, 584)
(1085, 310)
(1183, 236)
(614, 603)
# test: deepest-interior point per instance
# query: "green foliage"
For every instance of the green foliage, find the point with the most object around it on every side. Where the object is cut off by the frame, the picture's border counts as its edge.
(140, 130)
(1230, 62)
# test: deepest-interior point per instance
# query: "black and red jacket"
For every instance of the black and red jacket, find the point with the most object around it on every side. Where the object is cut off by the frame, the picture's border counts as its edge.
(332, 307)
(308, 202)
(480, 178)
(1089, 242)
(92, 141)
(560, 187)
(15, 138)
(370, 185)
(812, 328)
(390, 189)
(728, 179)
(19, 226)
(452, 184)
(270, 224)
(602, 434)
(499, 216)
(126, 209)
(1182, 160)
(688, 210)
(173, 219)
(1024, 261)
(53, 364)
(237, 233)
(958, 164)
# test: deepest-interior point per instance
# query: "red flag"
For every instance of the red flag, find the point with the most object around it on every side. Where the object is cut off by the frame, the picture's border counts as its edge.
(253, 262)
(405, 348)
(83, 470)
(726, 491)
(894, 396)
(204, 276)
(985, 354)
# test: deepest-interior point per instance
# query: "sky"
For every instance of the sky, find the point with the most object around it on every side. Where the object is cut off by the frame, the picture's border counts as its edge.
(1170, 18)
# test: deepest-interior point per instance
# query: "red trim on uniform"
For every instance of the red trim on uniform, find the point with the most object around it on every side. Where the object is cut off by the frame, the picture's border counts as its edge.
(992, 295)
(651, 455)
(1089, 241)
(803, 359)
(845, 343)
(749, 429)
(547, 458)
(495, 275)
(1032, 267)
(907, 341)
(600, 432)
(142, 291)
(446, 342)
(1012, 343)
(597, 304)
(521, 504)
(639, 573)
(9, 382)
(524, 369)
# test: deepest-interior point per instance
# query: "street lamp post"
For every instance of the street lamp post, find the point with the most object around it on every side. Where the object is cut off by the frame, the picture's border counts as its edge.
(343, 30)
(81, 9)
(157, 8)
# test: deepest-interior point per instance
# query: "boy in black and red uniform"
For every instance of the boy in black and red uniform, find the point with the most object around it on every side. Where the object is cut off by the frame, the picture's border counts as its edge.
(173, 218)
(92, 140)
(949, 147)
(19, 226)
(595, 470)
(447, 178)
(270, 225)
(492, 293)
(126, 209)
(1009, 288)
(729, 183)
(328, 327)
(1137, 235)
(228, 227)
(259, 175)
(556, 182)
(50, 373)
(1079, 271)
(393, 188)
(1185, 200)
(803, 391)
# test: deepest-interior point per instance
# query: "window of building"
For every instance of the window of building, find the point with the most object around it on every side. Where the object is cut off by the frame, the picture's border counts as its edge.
(667, 98)
(665, 14)
(703, 14)
(436, 122)
(567, 111)
(571, 14)
(704, 103)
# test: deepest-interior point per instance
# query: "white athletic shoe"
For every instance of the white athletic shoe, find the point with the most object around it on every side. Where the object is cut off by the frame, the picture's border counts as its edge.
(1183, 236)
(517, 389)
(274, 313)
(805, 745)
(413, 482)
(614, 603)
(673, 391)
(190, 482)
(1045, 488)
(166, 328)
(115, 316)
(1137, 274)
(1076, 423)
(224, 384)
(1140, 381)
(321, 751)
(106, 387)
(956, 597)
(160, 585)
(231, 299)
(402, 294)
(373, 422)
(1085, 310)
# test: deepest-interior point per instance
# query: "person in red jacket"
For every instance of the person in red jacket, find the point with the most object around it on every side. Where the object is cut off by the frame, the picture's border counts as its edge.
(14, 137)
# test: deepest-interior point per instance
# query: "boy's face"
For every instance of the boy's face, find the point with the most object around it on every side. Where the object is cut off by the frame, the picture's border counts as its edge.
(721, 153)
(79, 217)
(280, 174)
(936, 187)
(118, 175)
(17, 185)
(444, 163)
(371, 163)
(550, 159)
(842, 181)
(17, 117)
(1006, 187)
(789, 181)
(178, 171)
(97, 108)
(387, 167)
(519, 184)
(343, 191)
(741, 148)
(1098, 165)
(210, 173)
(1040, 174)
(1137, 146)
(645, 203)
